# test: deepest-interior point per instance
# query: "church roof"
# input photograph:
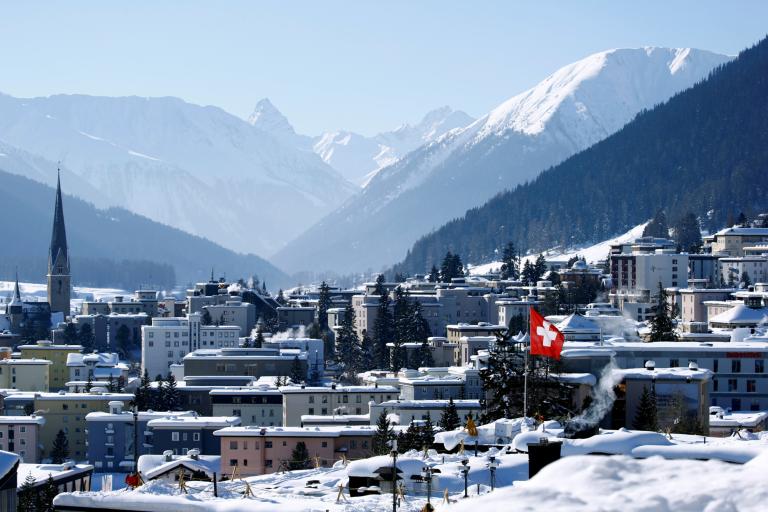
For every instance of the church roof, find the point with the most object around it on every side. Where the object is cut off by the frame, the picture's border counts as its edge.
(16, 297)
(58, 251)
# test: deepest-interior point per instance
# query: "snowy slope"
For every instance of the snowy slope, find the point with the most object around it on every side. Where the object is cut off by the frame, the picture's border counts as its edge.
(359, 158)
(591, 254)
(568, 111)
(192, 167)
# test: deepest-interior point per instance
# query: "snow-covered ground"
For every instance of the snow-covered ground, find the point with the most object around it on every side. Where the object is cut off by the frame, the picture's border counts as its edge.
(624, 481)
(592, 253)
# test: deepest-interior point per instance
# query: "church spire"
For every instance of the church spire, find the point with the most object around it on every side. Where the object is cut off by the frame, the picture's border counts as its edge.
(16, 298)
(58, 259)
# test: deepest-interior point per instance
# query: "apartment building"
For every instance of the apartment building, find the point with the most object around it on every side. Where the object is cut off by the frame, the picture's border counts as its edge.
(168, 340)
(55, 353)
(21, 435)
(261, 450)
(299, 401)
(25, 374)
(254, 406)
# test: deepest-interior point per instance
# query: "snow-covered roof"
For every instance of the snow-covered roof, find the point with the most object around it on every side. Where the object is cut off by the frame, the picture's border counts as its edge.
(366, 468)
(151, 466)
(40, 472)
(324, 431)
(429, 404)
(578, 323)
(21, 420)
(339, 389)
(737, 419)
(742, 231)
(664, 373)
(194, 421)
(127, 416)
(7, 461)
(740, 314)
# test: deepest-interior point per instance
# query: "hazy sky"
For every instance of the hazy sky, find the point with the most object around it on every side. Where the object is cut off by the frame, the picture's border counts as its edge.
(360, 65)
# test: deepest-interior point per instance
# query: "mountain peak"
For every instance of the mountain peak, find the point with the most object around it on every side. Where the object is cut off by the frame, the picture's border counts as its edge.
(268, 118)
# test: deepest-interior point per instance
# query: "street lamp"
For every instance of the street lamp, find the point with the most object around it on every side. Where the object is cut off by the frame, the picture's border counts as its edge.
(135, 439)
(465, 471)
(393, 445)
(426, 474)
(492, 465)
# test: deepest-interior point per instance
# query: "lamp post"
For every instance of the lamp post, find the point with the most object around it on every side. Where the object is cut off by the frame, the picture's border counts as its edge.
(492, 465)
(426, 473)
(135, 440)
(393, 444)
(465, 472)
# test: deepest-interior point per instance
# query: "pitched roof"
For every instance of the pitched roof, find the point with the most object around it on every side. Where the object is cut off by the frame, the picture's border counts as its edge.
(58, 251)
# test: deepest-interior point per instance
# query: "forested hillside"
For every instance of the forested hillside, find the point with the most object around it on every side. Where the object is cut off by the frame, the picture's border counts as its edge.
(704, 151)
(110, 247)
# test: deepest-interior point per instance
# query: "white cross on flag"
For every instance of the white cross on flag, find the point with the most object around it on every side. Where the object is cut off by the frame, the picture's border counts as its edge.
(546, 340)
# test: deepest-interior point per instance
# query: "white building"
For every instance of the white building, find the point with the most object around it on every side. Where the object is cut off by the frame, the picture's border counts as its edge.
(732, 269)
(168, 340)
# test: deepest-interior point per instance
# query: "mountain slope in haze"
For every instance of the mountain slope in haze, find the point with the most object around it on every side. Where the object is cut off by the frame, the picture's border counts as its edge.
(355, 156)
(196, 168)
(114, 234)
(704, 151)
(571, 109)
(359, 158)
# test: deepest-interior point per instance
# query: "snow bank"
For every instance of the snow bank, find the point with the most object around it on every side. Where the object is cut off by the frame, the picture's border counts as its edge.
(621, 483)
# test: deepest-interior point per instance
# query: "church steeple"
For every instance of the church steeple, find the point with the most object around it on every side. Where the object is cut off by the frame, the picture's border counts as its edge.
(16, 298)
(58, 259)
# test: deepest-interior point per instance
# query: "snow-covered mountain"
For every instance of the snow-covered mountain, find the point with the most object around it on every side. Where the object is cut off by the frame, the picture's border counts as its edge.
(196, 168)
(568, 111)
(359, 158)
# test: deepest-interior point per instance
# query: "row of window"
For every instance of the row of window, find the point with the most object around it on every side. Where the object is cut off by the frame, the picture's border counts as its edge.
(184, 436)
(733, 385)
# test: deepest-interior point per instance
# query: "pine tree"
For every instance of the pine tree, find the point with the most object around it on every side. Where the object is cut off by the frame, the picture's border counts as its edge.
(89, 382)
(403, 324)
(206, 318)
(60, 449)
(539, 268)
(323, 305)
(299, 457)
(434, 275)
(141, 397)
(86, 338)
(297, 372)
(47, 495)
(662, 328)
(367, 353)
(426, 434)
(528, 274)
(70, 333)
(688, 233)
(27, 496)
(646, 416)
(657, 227)
(379, 288)
(411, 439)
(259, 341)
(383, 332)
(745, 281)
(348, 353)
(170, 394)
(425, 355)
(450, 417)
(123, 339)
(281, 298)
(384, 433)
(510, 263)
(111, 384)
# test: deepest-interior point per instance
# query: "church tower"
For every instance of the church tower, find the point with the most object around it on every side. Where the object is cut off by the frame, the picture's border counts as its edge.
(59, 279)
(15, 308)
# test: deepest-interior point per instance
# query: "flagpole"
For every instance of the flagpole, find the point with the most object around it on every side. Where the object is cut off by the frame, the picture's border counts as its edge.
(525, 384)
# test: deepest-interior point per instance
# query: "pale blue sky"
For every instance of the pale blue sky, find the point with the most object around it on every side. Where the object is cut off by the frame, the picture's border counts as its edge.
(365, 66)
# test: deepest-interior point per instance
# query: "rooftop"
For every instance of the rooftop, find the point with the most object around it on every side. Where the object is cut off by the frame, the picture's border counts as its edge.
(325, 431)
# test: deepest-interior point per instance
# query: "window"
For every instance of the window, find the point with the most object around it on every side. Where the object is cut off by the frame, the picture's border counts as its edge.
(759, 366)
(175, 436)
(736, 404)
(233, 462)
(732, 385)
(754, 406)
(736, 366)
(233, 445)
(237, 412)
(324, 444)
(715, 365)
(311, 399)
(23, 429)
(311, 410)
(170, 353)
(751, 386)
(674, 363)
(245, 462)
(268, 463)
(268, 444)
(184, 436)
(714, 384)
(285, 443)
(325, 399)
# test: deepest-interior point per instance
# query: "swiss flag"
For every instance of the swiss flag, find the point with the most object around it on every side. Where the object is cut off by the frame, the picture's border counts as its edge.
(546, 340)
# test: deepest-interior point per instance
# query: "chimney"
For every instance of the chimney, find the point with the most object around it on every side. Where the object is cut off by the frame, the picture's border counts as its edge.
(168, 455)
(194, 454)
(115, 407)
(650, 365)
